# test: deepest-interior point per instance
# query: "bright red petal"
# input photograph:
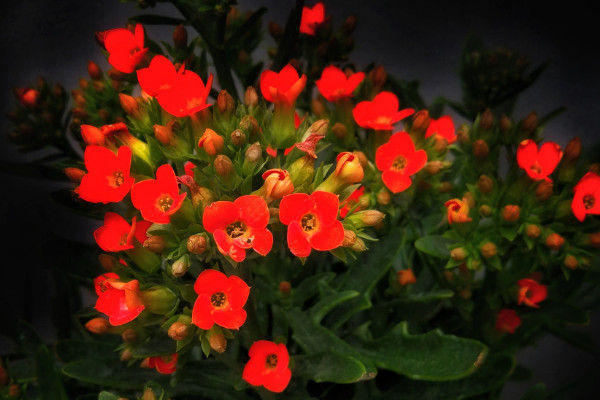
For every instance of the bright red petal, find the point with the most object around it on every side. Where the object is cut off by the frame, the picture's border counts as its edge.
(210, 281)
(293, 206)
(202, 312)
(297, 241)
(253, 211)
(230, 319)
(328, 238)
(326, 206)
(220, 214)
(396, 181)
(263, 241)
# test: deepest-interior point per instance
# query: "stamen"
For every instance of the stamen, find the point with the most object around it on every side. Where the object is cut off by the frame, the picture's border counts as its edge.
(399, 163)
(588, 201)
(271, 361)
(236, 229)
(123, 240)
(308, 222)
(165, 202)
(536, 168)
(218, 299)
(117, 179)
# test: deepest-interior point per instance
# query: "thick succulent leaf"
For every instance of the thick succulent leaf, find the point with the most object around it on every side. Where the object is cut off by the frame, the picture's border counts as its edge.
(328, 366)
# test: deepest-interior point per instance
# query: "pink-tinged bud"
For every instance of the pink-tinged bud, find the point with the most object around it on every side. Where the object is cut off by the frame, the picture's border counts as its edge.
(573, 150)
(178, 331)
(223, 166)
(155, 244)
(99, 326)
(511, 213)
(485, 184)
(544, 190)
(530, 123)
(317, 106)
(216, 339)
(129, 104)
(180, 36)
(74, 174)
(532, 231)
(489, 250)
(594, 239)
(480, 149)
(486, 120)
(28, 97)
(211, 142)
(339, 130)
(349, 238)
(225, 103)
(505, 123)
(94, 70)
(238, 138)
(275, 30)
(197, 244)
(253, 153)
(458, 254)
(250, 97)
(348, 168)
(277, 183)
(129, 336)
(462, 134)
(406, 277)
(571, 262)
(420, 121)
(554, 241)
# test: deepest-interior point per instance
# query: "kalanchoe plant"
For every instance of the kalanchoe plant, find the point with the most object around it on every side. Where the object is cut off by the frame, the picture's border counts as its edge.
(304, 242)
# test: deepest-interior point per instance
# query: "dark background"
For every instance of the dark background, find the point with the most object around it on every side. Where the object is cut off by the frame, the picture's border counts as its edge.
(418, 40)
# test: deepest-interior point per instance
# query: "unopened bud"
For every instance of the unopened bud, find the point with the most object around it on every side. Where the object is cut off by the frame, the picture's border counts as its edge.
(573, 150)
(211, 142)
(223, 166)
(362, 158)
(79, 113)
(253, 153)
(485, 184)
(433, 167)
(465, 293)
(440, 144)
(594, 239)
(3, 376)
(339, 130)
(370, 217)
(595, 168)
(250, 97)
(349, 24)
(485, 210)
(571, 262)
(216, 339)
(505, 123)
(458, 254)
(155, 244)
(445, 187)
(149, 394)
(532, 231)
(225, 103)
(489, 250)
(180, 36)
(116, 75)
(238, 137)
(406, 277)
(126, 354)
(486, 120)
(180, 266)
(250, 125)
(421, 121)
(14, 391)
(319, 127)
(348, 168)
(468, 197)
(129, 336)
(99, 326)
(511, 213)
(554, 241)
(317, 106)
(98, 86)
(108, 261)
(480, 149)
(94, 70)
(74, 174)
(530, 123)
(104, 114)
(349, 238)
(129, 104)
(378, 76)
(285, 287)
(359, 245)
(197, 244)
(544, 190)
(462, 134)
(275, 30)
(384, 197)
(178, 331)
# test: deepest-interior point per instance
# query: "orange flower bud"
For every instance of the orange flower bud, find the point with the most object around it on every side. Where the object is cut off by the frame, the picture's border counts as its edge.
(573, 150)
(129, 336)
(480, 149)
(74, 174)
(485, 184)
(489, 250)
(348, 168)
(458, 254)
(406, 277)
(126, 354)
(440, 144)
(285, 287)
(571, 262)
(98, 326)
(155, 244)
(420, 121)
(505, 123)
(339, 130)
(98, 86)
(180, 36)
(532, 231)
(238, 137)
(163, 134)
(178, 331)
(223, 166)
(250, 97)
(511, 213)
(554, 241)
(349, 238)
(530, 123)
(486, 120)
(433, 167)
(225, 103)
(94, 70)
(197, 244)
(149, 393)
(129, 104)
(211, 142)
(457, 211)
(544, 190)
(384, 197)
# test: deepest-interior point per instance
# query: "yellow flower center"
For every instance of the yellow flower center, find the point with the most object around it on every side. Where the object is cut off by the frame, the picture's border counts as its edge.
(116, 179)
(399, 163)
(218, 299)
(308, 222)
(164, 202)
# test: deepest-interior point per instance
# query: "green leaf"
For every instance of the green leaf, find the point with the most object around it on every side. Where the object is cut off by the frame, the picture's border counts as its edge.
(431, 356)
(436, 246)
(509, 232)
(148, 19)
(48, 378)
(110, 372)
(70, 350)
(156, 346)
(104, 395)
(328, 303)
(328, 366)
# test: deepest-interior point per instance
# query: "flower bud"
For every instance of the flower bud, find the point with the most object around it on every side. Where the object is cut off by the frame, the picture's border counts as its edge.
(319, 127)
(3, 376)
(129, 336)
(378, 76)
(339, 130)
(250, 125)
(489, 250)
(180, 36)
(440, 144)
(155, 244)
(108, 261)
(285, 287)
(250, 97)
(349, 238)
(462, 134)
(197, 244)
(370, 217)
(485, 184)
(384, 197)
(223, 166)
(216, 339)
(99, 326)
(116, 75)
(465, 293)
(180, 266)
(277, 184)
(544, 190)
(238, 137)
(74, 174)
(458, 254)
(158, 299)
(595, 168)
(468, 197)
(83, 83)
(594, 239)
(14, 391)
(421, 121)
(253, 153)
(573, 150)
(98, 86)
(485, 210)
(349, 24)
(445, 187)
(149, 394)
(532, 231)
(511, 213)
(211, 142)
(129, 104)
(359, 245)
(554, 241)
(486, 120)
(79, 113)
(94, 70)
(348, 168)
(126, 354)
(302, 170)
(317, 106)
(530, 123)
(505, 123)
(433, 167)
(225, 103)
(571, 262)
(178, 331)
(406, 277)
(275, 30)
(480, 149)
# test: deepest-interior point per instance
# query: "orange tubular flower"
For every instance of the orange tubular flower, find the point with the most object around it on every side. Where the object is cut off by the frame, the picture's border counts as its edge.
(211, 142)
(126, 50)
(312, 18)
(117, 235)
(398, 160)
(538, 164)
(158, 199)
(458, 211)
(107, 180)
(531, 292)
(268, 366)
(442, 128)
(181, 93)
(507, 321)
(119, 300)
(165, 365)
(587, 191)
(334, 85)
(282, 87)
(220, 300)
(277, 183)
(239, 225)
(381, 113)
(311, 222)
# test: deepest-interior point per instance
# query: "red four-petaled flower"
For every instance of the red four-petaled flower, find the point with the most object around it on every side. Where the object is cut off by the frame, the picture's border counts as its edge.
(107, 180)
(538, 164)
(220, 300)
(398, 160)
(381, 113)
(312, 18)
(159, 198)
(442, 128)
(164, 364)
(180, 93)
(117, 235)
(587, 193)
(507, 320)
(283, 86)
(312, 222)
(239, 225)
(335, 85)
(126, 49)
(531, 292)
(119, 300)
(268, 366)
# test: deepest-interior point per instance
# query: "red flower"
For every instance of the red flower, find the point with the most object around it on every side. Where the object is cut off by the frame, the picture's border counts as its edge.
(398, 160)
(531, 292)
(312, 18)
(165, 364)
(507, 320)
(335, 85)
(125, 49)
(442, 128)
(268, 366)
(538, 164)
(311, 222)
(282, 87)
(107, 180)
(220, 300)
(239, 225)
(188, 167)
(180, 93)
(159, 198)
(458, 211)
(117, 235)
(380, 113)
(586, 191)
(351, 201)
(119, 300)
(277, 183)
